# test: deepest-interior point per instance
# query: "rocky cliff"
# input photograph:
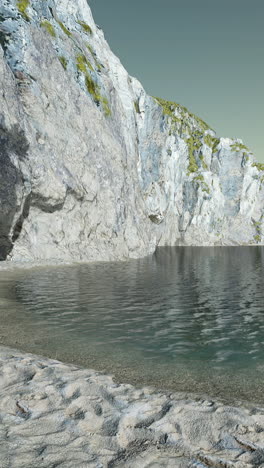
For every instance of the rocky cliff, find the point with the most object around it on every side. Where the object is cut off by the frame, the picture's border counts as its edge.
(91, 167)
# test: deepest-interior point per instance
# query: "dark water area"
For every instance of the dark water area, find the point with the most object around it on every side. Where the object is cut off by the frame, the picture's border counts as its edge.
(186, 319)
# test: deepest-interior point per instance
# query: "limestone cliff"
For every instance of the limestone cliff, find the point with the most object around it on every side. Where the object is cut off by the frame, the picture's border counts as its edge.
(91, 167)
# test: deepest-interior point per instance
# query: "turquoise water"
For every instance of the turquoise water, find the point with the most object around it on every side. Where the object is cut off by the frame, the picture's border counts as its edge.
(187, 318)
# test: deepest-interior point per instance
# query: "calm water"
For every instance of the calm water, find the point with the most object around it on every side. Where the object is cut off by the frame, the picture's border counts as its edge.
(187, 318)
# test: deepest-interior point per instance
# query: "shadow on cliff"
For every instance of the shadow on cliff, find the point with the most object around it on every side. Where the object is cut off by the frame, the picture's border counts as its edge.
(12, 142)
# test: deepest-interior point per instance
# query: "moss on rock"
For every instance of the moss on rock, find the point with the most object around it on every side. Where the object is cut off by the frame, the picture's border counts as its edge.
(169, 108)
(49, 28)
(106, 108)
(94, 90)
(204, 165)
(85, 27)
(22, 6)
(212, 142)
(63, 61)
(85, 67)
(190, 127)
(64, 29)
(200, 179)
(136, 106)
(98, 65)
(193, 146)
(82, 63)
(240, 147)
(259, 166)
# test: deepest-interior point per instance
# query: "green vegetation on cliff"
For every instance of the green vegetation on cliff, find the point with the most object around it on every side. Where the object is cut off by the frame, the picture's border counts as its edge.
(136, 105)
(83, 63)
(183, 115)
(259, 166)
(212, 142)
(85, 27)
(194, 144)
(84, 66)
(200, 180)
(240, 147)
(63, 61)
(98, 65)
(49, 28)
(191, 128)
(22, 6)
(64, 29)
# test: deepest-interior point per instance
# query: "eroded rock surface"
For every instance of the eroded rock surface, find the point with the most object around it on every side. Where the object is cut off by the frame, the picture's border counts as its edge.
(52, 414)
(91, 166)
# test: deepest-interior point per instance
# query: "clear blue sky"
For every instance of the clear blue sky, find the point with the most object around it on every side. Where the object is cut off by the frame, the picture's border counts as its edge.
(207, 55)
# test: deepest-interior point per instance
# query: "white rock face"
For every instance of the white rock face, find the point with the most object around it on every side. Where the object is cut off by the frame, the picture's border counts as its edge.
(91, 167)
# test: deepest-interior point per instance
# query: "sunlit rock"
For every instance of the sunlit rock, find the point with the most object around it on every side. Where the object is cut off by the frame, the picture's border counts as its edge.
(92, 168)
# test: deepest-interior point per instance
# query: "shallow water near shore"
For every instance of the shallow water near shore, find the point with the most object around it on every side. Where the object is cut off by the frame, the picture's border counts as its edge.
(187, 319)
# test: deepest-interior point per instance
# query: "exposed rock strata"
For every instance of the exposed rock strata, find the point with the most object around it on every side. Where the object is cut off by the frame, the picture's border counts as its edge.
(91, 166)
(53, 414)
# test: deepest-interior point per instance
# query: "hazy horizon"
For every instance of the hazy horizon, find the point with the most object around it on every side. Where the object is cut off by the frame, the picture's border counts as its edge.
(207, 58)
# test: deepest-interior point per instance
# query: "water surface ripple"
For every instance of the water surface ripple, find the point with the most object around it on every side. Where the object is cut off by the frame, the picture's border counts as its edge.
(187, 318)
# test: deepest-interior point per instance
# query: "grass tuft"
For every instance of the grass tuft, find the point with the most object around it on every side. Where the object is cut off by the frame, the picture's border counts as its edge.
(240, 147)
(63, 61)
(200, 179)
(93, 53)
(84, 66)
(106, 108)
(205, 167)
(169, 108)
(49, 28)
(22, 6)
(212, 142)
(85, 27)
(194, 144)
(136, 105)
(64, 29)
(94, 90)
(215, 145)
(82, 63)
(190, 127)
(259, 166)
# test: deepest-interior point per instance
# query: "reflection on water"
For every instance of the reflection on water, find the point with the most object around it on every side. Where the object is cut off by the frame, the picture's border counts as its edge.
(187, 318)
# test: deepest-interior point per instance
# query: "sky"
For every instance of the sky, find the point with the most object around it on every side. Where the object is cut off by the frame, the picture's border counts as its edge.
(206, 55)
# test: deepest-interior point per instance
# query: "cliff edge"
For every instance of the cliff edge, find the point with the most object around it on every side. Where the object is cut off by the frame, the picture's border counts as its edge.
(91, 167)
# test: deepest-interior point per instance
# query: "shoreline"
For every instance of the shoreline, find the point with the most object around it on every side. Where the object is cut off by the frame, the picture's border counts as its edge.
(127, 375)
(56, 414)
(10, 265)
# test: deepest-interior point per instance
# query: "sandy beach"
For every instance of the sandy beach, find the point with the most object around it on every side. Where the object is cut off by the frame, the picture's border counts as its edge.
(53, 414)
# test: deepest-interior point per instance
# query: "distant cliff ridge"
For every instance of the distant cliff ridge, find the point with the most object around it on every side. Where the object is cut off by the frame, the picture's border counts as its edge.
(91, 167)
